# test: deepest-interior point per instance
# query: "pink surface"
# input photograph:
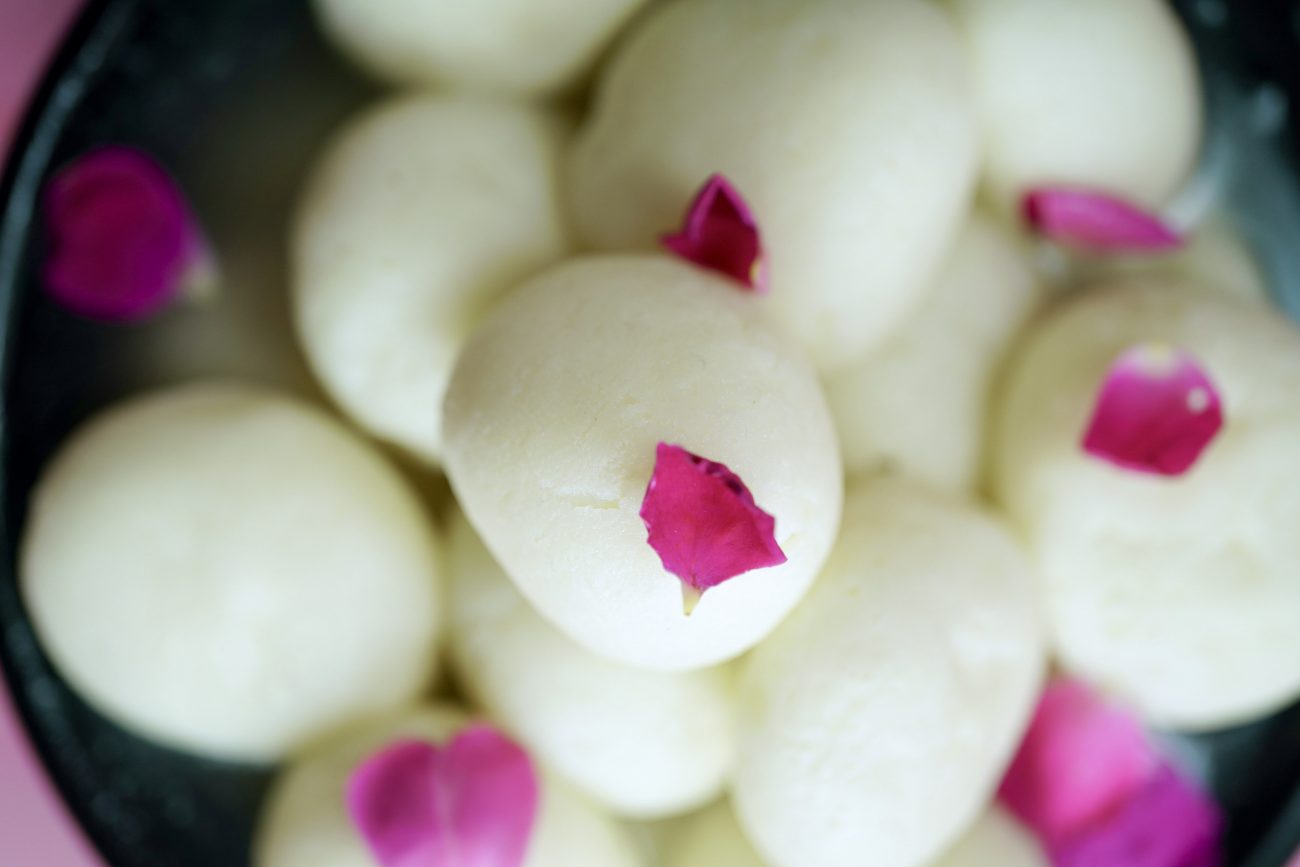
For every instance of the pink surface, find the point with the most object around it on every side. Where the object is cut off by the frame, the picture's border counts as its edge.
(35, 828)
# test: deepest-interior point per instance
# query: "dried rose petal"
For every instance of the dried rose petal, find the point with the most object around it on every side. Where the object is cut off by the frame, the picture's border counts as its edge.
(1095, 221)
(123, 242)
(1157, 411)
(720, 233)
(1081, 759)
(1167, 823)
(469, 804)
(703, 522)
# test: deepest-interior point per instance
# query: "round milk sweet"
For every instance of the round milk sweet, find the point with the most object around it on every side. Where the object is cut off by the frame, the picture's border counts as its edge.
(917, 404)
(712, 838)
(877, 720)
(995, 840)
(848, 127)
(305, 822)
(642, 743)
(194, 556)
(1102, 94)
(551, 425)
(1173, 592)
(421, 212)
(515, 46)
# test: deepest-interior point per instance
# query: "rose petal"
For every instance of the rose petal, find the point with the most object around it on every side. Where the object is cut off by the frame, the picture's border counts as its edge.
(123, 243)
(720, 233)
(1168, 823)
(1081, 759)
(703, 522)
(1095, 221)
(470, 804)
(1156, 412)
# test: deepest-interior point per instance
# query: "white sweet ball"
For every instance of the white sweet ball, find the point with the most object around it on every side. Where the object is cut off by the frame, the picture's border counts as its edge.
(1101, 93)
(551, 423)
(880, 716)
(1174, 593)
(516, 46)
(643, 743)
(305, 821)
(712, 838)
(420, 214)
(848, 126)
(917, 404)
(228, 571)
(995, 840)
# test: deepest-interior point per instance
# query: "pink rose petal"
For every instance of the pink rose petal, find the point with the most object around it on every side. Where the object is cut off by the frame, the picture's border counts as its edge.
(1156, 412)
(720, 234)
(703, 522)
(1168, 823)
(123, 242)
(1095, 221)
(1081, 759)
(469, 804)
(1090, 784)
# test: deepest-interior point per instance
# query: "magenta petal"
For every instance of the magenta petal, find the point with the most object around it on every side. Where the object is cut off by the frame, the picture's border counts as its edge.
(1095, 221)
(1156, 412)
(123, 242)
(470, 804)
(1080, 761)
(720, 234)
(1168, 823)
(703, 522)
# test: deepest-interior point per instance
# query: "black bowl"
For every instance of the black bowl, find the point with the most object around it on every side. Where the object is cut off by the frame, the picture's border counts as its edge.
(235, 96)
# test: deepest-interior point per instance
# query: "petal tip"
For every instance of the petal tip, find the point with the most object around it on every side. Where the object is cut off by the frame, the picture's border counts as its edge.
(1095, 221)
(719, 233)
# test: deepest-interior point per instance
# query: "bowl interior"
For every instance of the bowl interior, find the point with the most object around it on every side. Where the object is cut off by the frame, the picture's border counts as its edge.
(235, 97)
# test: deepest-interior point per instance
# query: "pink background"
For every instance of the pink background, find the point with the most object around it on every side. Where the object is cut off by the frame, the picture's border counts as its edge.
(35, 829)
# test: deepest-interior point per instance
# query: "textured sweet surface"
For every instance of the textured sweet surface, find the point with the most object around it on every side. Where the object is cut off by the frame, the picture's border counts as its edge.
(551, 425)
(917, 405)
(1102, 94)
(305, 823)
(995, 840)
(516, 46)
(712, 838)
(1173, 593)
(880, 716)
(644, 743)
(420, 214)
(847, 126)
(230, 572)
